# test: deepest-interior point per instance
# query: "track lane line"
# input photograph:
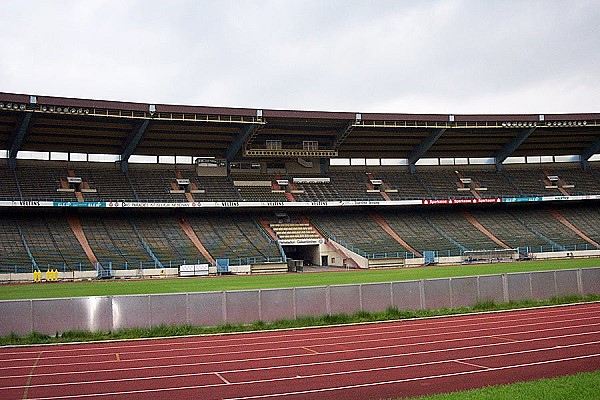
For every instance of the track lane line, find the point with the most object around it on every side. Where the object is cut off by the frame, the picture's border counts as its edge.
(221, 362)
(329, 389)
(387, 338)
(224, 338)
(462, 360)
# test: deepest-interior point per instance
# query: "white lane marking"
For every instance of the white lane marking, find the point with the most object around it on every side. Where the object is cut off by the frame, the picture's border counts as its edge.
(387, 338)
(330, 389)
(258, 359)
(337, 373)
(412, 324)
(471, 364)
(220, 377)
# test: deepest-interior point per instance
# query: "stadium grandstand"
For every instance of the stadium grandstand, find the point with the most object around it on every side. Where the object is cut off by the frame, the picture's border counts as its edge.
(109, 188)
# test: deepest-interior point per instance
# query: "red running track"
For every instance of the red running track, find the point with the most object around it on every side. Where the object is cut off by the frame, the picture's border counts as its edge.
(370, 361)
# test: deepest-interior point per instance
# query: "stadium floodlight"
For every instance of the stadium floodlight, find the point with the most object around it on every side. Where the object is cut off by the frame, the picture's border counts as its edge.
(86, 111)
(22, 107)
(43, 108)
(58, 109)
(584, 122)
(1, 105)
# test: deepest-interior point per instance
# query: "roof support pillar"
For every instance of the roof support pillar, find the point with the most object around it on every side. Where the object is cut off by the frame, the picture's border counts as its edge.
(132, 142)
(510, 147)
(588, 152)
(17, 139)
(423, 148)
(239, 140)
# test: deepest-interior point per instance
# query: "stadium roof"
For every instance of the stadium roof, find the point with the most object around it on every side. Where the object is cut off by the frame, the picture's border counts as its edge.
(41, 123)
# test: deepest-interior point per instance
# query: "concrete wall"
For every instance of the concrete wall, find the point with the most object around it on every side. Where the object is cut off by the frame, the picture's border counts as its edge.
(212, 308)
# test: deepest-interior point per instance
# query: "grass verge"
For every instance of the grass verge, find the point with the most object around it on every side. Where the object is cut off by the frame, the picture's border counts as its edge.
(582, 386)
(391, 314)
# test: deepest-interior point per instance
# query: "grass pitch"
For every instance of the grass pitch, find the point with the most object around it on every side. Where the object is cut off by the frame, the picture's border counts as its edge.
(584, 386)
(248, 282)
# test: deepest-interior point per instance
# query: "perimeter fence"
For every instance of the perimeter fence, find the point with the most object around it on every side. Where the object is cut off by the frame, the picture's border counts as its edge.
(109, 313)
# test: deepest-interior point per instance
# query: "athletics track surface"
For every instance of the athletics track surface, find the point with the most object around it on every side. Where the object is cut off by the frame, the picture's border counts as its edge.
(371, 361)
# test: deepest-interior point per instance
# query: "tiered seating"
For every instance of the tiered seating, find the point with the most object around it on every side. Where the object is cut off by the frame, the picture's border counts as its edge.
(360, 233)
(113, 240)
(317, 192)
(8, 185)
(530, 181)
(167, 240)
(407, 184)
(442, 183)
(152, 183)
(52, 242)
(260, 193)
(579, 182)
(110, 183)
(235, 237)
(353, 186)
(585, 218)
(217, 189)
(417, 232)
(496, 183)
(41, 182)
(540, 220)
(12, 250)
(508, 228)
(458, 228)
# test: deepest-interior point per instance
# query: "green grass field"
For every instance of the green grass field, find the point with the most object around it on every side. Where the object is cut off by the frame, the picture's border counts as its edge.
(211, 284)
(584, 386)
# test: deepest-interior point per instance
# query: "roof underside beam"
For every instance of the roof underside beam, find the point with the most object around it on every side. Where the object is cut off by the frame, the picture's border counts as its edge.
(17, 139)
(423, 148)
(132, 142)
(589, 151)
(511, 146)
(239, 140)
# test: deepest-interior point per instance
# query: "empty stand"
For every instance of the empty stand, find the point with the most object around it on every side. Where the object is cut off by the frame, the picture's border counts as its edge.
(42, 181)
(543, 223)
(52, 242)
(114, 241)
(217, 189)
(418, 232)
(8, 184)
(167, 240)
(586, 218)
(236, 237)
(353, 185)
(14, 256)
(455, 225)
(360, 233)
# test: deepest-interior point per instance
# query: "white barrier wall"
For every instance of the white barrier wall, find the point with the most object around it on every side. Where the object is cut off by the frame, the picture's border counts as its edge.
(105, 313)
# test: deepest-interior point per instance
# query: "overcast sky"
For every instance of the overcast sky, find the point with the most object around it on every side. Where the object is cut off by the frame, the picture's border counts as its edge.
(444, 56)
